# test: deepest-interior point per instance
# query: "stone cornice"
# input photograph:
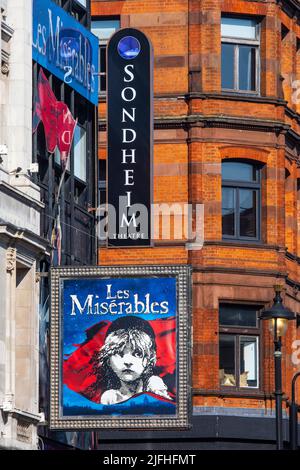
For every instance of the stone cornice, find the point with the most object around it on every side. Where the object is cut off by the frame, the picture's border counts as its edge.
(6, 31)
(237, 122)
(243, 244)
(292, 114)
(293, 135)
(237, 97)
(31, 418)
(21, 196)
(244, 271)
(200, 120)
(17, 235)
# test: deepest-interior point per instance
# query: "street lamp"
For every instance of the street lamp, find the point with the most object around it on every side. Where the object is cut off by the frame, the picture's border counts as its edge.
(278, 317)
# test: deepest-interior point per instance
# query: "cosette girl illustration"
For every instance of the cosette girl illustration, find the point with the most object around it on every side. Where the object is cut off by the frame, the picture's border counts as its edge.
(127, 360)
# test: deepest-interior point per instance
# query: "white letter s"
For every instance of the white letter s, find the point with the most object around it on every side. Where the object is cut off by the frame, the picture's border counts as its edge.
(126, 70)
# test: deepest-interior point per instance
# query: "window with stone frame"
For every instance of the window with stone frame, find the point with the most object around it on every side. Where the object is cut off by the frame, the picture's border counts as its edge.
(239, 344)
(240, 54)
(241, 200)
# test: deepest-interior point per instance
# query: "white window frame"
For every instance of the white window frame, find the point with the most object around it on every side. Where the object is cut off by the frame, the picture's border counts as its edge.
(102, 42)
(244, 42)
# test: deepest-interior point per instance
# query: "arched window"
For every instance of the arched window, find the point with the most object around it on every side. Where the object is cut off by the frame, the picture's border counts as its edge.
(241, 187)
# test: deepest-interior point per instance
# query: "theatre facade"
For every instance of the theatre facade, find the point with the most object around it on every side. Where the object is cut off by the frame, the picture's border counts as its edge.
(226, 145)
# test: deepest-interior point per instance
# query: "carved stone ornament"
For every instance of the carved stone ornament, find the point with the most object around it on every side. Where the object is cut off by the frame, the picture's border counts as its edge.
(10, 260)
(4, 68)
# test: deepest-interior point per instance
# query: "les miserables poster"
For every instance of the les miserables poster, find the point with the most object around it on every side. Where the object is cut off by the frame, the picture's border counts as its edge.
(119, 348)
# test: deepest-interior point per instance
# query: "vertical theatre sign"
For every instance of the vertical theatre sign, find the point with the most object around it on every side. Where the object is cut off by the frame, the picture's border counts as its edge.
(129, 138)
(120, 347)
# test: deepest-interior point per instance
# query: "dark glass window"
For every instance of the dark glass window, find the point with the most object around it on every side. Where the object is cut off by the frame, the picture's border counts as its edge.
(104, 29)
(102, 68)
(227, 66)
(240, 200)
(76, 8)
(227, 360)
(102, 214)
(239, 346)
(228, 211)
(102, 182)
(248, 211)
(247, 67)
(240, 54)
(238, 315)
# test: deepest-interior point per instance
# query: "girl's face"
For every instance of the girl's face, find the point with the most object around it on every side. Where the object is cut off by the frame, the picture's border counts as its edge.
(128, 364)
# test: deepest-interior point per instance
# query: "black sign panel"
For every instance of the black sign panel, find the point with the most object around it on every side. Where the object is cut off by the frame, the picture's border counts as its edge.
(129, 138)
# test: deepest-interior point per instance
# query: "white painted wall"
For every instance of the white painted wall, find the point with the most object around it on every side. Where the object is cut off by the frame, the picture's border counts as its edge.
(19, 95)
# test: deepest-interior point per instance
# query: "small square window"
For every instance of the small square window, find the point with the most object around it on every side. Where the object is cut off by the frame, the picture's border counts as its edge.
(238, 315)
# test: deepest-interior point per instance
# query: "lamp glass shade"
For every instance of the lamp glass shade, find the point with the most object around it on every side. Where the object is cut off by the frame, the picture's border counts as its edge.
(281, 324)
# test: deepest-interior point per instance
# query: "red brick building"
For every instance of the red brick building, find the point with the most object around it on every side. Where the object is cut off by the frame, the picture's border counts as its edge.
(226, 135)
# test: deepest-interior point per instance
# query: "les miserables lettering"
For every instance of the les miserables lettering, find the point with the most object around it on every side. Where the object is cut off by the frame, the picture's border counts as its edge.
(119, 346)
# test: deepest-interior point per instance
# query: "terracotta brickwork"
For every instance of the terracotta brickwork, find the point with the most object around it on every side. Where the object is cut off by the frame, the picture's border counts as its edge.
(197, 126)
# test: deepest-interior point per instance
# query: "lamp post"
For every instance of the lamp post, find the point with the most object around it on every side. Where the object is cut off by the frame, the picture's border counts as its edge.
(278, 316)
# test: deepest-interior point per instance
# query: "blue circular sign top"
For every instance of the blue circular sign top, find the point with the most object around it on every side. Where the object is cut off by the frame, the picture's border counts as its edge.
(129, 47)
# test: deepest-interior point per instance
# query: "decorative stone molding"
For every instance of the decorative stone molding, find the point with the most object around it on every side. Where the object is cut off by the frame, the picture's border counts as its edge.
(6, 31)
(4, 63)
(24, 431)
(295, 290)
(10, 260)
(8, 403)
(6, 35)
(5, 69)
